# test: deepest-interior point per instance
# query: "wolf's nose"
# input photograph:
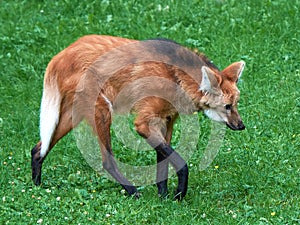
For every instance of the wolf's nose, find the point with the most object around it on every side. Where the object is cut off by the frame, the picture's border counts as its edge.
(241, 126)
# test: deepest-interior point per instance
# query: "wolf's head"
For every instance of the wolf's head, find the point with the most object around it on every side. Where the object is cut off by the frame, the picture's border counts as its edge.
(221, 95)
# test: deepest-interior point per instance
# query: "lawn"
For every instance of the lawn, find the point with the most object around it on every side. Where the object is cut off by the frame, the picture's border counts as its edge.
(254, 179)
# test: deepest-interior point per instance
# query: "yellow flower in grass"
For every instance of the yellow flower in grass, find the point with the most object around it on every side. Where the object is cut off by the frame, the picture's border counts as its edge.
(273, 213)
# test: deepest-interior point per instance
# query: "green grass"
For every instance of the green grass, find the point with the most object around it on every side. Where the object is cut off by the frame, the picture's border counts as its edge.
(255, 177)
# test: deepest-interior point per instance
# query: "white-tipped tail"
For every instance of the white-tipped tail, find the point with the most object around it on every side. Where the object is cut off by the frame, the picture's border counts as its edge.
(49, 115)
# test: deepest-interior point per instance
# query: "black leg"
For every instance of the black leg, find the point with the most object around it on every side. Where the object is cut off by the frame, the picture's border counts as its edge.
(109, 164)
(180, 166)
(102, 125)
(36, 164)
(162, 175)
(152, 129)
(182, 183)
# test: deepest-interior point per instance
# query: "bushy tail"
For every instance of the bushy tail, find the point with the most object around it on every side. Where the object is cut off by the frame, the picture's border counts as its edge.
(49, 115)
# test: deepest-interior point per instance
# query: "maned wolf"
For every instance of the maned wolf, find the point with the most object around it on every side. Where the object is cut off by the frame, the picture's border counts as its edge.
(155, 79)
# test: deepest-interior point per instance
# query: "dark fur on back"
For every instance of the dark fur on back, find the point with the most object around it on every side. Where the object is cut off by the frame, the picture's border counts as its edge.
(163, 39)
(205, 59)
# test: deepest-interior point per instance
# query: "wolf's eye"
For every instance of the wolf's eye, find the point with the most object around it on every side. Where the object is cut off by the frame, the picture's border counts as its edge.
(228, 107)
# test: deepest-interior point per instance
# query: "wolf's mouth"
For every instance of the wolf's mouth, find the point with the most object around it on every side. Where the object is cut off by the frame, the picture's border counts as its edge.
(239, 126)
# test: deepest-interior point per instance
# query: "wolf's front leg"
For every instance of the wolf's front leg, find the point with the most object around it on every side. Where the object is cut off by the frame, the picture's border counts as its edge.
(152, 131)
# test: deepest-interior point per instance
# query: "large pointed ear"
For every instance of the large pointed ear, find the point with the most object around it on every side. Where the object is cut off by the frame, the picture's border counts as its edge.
(234, 71)
(209, 81)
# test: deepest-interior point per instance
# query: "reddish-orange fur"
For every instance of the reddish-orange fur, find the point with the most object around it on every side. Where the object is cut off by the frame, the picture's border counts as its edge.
(75, 66)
